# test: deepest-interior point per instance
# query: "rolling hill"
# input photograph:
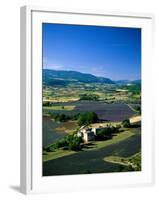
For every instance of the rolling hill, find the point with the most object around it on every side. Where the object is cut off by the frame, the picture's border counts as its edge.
(62, 77)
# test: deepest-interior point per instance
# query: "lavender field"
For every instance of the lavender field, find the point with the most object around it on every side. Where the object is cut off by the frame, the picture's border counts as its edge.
(109, 112)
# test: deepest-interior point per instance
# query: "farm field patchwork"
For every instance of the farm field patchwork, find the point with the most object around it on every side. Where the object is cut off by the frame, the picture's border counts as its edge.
(114, 153)
(93, 159)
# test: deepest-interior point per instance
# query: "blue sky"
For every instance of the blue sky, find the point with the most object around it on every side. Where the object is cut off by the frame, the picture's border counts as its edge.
(110, 52)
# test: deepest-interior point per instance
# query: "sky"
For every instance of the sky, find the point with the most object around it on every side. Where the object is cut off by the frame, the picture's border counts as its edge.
(111, 52)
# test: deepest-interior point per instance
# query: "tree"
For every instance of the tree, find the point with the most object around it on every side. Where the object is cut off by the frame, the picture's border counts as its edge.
(106, 133)
(62, 117)
(71, 142)
(74, 142)
(87, 118)
(90, 97)
(126, 123)
(138, 109)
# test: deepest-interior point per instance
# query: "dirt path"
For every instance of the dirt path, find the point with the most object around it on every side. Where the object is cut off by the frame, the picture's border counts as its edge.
(135, 119)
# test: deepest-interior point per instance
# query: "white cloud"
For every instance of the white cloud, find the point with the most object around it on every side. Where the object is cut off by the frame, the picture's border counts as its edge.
(56, 67)
(47, 64)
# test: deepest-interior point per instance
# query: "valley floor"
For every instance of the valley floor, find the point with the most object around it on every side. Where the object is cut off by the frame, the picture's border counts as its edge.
(95, 157)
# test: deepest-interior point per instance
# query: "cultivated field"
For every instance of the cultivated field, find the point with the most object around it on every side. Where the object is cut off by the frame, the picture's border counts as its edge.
(62, 108)
(53, 131)
(105, 111)
(93, 158)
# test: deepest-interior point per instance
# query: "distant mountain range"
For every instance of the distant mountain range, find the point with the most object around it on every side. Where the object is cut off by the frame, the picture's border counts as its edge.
(62, 78)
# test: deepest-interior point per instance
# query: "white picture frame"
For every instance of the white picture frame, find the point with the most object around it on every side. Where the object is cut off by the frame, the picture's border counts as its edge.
(31, 111)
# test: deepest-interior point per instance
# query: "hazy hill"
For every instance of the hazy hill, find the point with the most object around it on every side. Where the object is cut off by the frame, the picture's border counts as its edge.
(125, 82)
(62, 77)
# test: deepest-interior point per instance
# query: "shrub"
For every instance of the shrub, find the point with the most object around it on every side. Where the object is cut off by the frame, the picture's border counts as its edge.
(136, 161)
(74, 142)
(118, 127)
(106, 133)
(138, 109)
(90, 97)
(60, 117)
(47, 103)
(126, 123)
(125, 168)
(71, 142)
(58, 144)
(76, 116)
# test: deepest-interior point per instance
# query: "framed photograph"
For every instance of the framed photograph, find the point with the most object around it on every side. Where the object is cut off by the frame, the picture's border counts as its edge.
(86, 100)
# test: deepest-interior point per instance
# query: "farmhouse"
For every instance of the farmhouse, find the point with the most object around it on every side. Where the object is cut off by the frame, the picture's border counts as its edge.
(88, 134)
(95, 130)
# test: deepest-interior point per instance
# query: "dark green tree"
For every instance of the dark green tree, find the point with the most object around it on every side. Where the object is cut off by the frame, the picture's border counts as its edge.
(126, 123)
(87, 118)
